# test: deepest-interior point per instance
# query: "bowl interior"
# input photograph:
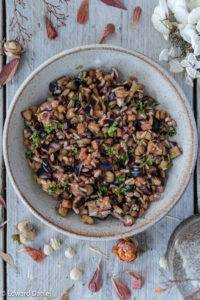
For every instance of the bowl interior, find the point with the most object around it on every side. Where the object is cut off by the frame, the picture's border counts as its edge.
(157, 83)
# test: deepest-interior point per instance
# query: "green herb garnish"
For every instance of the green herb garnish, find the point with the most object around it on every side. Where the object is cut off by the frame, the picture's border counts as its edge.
(54, 189)
(111, 151)
(120, 179)
(29, 154)
(124, 158)
(74, 150)
(103, 189)
(35, 138)
(60, 126)
(112, 129)
(65, 184)
(123, 190)
(49, 127)
(76, 100)
(143, 105)
(148, 161)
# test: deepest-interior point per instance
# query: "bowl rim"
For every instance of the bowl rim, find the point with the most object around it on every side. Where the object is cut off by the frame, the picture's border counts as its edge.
(186, 176)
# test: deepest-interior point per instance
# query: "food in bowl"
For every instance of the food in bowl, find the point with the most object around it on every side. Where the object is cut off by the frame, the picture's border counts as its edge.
(100, 146)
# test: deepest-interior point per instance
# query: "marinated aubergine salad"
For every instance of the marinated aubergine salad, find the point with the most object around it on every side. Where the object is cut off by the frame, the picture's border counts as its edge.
(100, 146)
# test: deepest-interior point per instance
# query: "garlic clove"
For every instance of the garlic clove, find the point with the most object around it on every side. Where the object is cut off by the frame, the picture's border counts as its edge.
(12, 47)
(47, 249)
(27, 237)
(70, 253)
(55, 243)
(75, 274)
(25, 226)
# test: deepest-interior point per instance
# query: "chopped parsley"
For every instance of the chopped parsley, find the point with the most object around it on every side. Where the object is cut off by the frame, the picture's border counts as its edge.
(60, 126)
(124, 158)
(112, 130)
(120, 179)
(122, 190)
(65, 184)
(76, 100)
(75, 150)
(49, 127)
(54, 189)
(142, 105)
(111, 151)
(29, 154)
(35, 138)
(103, 189)
(148, 161)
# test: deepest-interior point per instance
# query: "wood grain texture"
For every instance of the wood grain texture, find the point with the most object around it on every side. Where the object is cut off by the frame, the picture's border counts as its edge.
(1, 160)
(52, 276)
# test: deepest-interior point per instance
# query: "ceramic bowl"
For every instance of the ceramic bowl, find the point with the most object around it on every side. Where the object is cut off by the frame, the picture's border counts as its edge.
(158, 84)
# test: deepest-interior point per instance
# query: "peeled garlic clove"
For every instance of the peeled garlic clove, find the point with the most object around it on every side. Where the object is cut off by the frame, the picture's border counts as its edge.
(26, 237)
(75, 274)
(12, 47)
(70, 253)
(55, 243)
(25, 226)
(47, 249)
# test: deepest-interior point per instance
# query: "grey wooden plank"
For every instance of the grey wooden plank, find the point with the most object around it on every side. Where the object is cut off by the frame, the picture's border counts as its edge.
(197, 183)
(53, 275)
(1, 160)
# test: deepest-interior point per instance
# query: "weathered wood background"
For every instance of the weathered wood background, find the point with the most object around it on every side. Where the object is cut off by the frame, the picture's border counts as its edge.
(52, 276)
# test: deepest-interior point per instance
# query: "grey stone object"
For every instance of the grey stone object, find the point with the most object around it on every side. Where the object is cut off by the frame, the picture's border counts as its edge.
(183, 257)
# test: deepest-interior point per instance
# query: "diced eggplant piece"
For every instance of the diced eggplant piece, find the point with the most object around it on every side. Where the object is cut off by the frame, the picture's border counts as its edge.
(175, 152)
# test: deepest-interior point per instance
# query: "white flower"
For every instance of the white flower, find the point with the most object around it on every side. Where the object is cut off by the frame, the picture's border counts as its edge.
(164, 55)
(167, 54)
(175, 66)
(189, 80)
(194, 16)
(198, 26)
(187, 32)
(192, 65)
(195, 41)
(160, 18)
(179, 8)
(193, 4)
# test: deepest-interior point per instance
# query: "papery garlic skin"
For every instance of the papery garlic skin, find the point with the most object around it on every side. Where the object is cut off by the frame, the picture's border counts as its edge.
(55, 243)
(25, 226)
(12, 48)
(70, 253)
(163, 262)
(75, 274)
(47, 249)
(27, 237)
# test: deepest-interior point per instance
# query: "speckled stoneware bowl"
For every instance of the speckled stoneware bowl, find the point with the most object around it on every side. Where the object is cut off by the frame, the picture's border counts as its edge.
(158, 84)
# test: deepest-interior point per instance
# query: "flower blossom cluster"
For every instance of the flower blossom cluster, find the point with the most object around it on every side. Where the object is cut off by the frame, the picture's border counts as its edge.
(179, 22)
